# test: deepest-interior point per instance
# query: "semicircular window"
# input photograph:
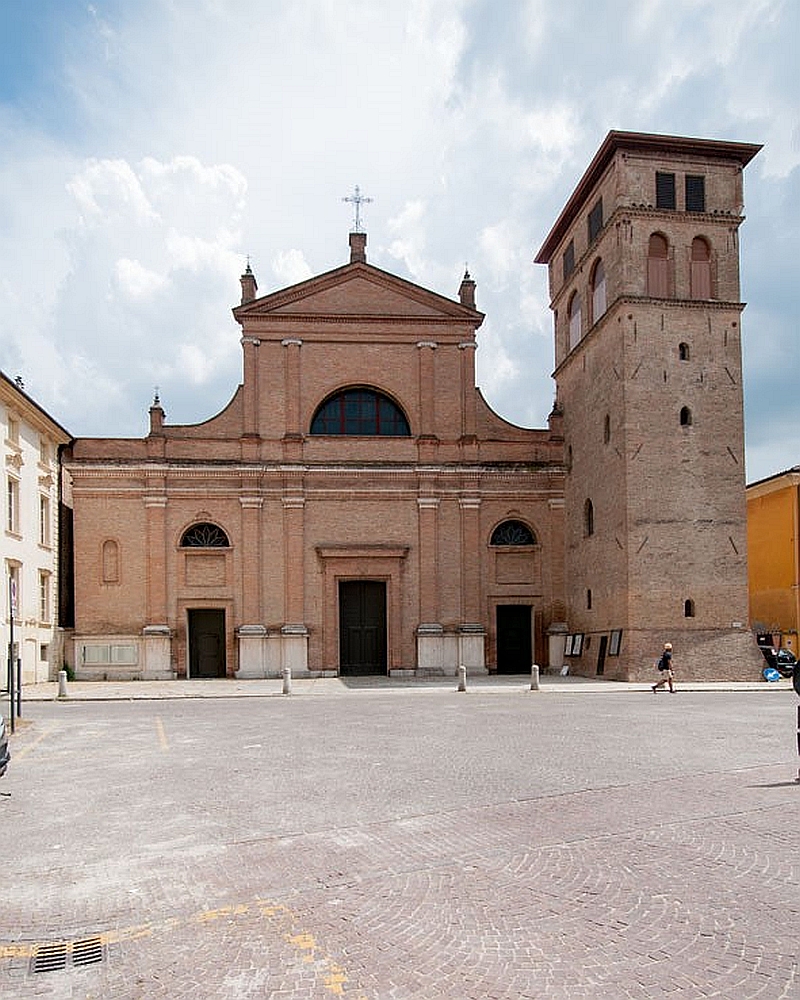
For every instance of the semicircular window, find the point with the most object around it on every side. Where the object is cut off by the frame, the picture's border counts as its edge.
(204, 536)
(362, 412)
(513, 533)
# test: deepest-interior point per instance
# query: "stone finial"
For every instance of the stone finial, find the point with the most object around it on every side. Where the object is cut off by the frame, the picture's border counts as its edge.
(358, 248)
(249, 284)
(466, 292)
(156, 415)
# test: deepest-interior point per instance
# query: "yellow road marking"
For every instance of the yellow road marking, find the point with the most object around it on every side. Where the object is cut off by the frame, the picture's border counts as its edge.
(163, 742)
(33, 744)
(334, 977)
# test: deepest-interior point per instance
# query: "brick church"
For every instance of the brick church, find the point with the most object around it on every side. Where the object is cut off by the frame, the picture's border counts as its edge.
(358, 508)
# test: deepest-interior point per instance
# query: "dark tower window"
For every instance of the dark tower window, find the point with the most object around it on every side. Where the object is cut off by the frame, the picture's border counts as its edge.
(204, 536)
(363, 412)
(683, 352)
(589, 600)
(513, 533)
(588, 518)
(606, 429)
(695, 193)
(686, 417)
(688, 608)
(595, 221)
(568, 260)
(665, 190)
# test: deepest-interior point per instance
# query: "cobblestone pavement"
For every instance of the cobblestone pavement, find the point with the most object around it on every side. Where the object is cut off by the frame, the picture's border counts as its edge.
(404, 843)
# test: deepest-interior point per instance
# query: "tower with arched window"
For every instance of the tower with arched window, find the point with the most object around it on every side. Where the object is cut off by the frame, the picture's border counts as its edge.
(649, 380)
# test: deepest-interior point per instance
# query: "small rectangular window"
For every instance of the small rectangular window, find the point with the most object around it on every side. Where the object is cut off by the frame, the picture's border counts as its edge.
(13, 430)
(695, 193)
(12, 506)
(665, 190)
(44, 521)
(569, 260)
(595, 220)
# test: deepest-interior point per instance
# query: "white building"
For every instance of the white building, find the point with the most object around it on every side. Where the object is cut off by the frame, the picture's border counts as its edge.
(29, 548)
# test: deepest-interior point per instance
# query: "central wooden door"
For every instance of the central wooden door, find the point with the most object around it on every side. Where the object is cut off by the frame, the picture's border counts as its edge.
(362, 627)
(207, 642)
(514, 646)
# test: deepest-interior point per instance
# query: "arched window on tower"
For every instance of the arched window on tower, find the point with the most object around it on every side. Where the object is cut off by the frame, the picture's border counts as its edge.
(701, 269)
(598, 286)
(688, 608)
(110, 561)
(683, 352)
(686, 417)
(360, 411)
(574, 320)
(658, 267)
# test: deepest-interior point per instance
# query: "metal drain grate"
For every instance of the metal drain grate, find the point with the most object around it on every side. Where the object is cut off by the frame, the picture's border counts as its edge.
(55, 956)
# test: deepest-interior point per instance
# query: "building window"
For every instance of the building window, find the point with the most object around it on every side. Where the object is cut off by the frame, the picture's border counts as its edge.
(598, 286)
(14, 594)
(360, 412)
(588, 518)
(44, 521)
(595, 221)
(686, 417)
(606, 429)
(701, 269)
(44, 451)
(44, 651)
(665, 190)
(683, 352)
(44, 598)
(574, 320)
(568, 260)
(688, 608)
(695, 193)
(657, 267)
(589, 600)
(204, 536)
(513, 533)
(12, 505)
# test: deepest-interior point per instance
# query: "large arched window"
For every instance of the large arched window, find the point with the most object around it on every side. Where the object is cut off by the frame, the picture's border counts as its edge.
(360, 411)
(598, 284)
(513, 533)
(658, 267)
(204, 536)
(701, 269)
(574, 320)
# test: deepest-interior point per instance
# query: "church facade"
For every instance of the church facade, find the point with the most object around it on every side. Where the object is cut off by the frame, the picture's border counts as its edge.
(359, 508)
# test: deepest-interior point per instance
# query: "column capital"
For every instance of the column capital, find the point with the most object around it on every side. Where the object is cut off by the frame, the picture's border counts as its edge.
(427, 343)
(292, 342)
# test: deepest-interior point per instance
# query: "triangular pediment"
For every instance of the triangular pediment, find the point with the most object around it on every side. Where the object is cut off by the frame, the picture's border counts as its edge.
(357, 290)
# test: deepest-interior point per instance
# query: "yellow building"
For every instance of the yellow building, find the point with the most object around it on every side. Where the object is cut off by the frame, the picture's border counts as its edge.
(773, 520)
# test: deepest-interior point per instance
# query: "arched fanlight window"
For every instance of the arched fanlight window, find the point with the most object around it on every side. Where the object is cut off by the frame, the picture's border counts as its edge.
(588, 518)
(686, 417)
(513, 533)
(598, 283)
(204, 536)
(658, 267)
(360, 411)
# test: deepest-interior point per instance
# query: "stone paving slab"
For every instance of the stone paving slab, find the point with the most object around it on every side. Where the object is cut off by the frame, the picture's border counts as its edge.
(395, 846)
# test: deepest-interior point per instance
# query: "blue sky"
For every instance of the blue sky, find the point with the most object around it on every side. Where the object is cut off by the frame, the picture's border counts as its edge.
(146, 148)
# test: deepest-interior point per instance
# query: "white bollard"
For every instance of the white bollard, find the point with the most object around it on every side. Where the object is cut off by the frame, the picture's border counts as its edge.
(462, 678)
(62, 684)
(535, 677)
(287, 680)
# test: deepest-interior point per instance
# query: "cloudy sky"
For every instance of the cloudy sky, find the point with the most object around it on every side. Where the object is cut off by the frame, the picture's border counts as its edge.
(147, 147)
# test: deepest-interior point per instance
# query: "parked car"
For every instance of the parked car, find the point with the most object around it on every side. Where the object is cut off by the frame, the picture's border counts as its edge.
(5, 755)
(783, 660)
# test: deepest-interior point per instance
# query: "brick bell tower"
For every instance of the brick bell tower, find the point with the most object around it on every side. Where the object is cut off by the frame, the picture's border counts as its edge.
(644, 283)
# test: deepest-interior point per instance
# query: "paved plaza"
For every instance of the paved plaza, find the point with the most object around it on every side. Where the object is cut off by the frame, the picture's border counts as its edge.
(402, 841)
